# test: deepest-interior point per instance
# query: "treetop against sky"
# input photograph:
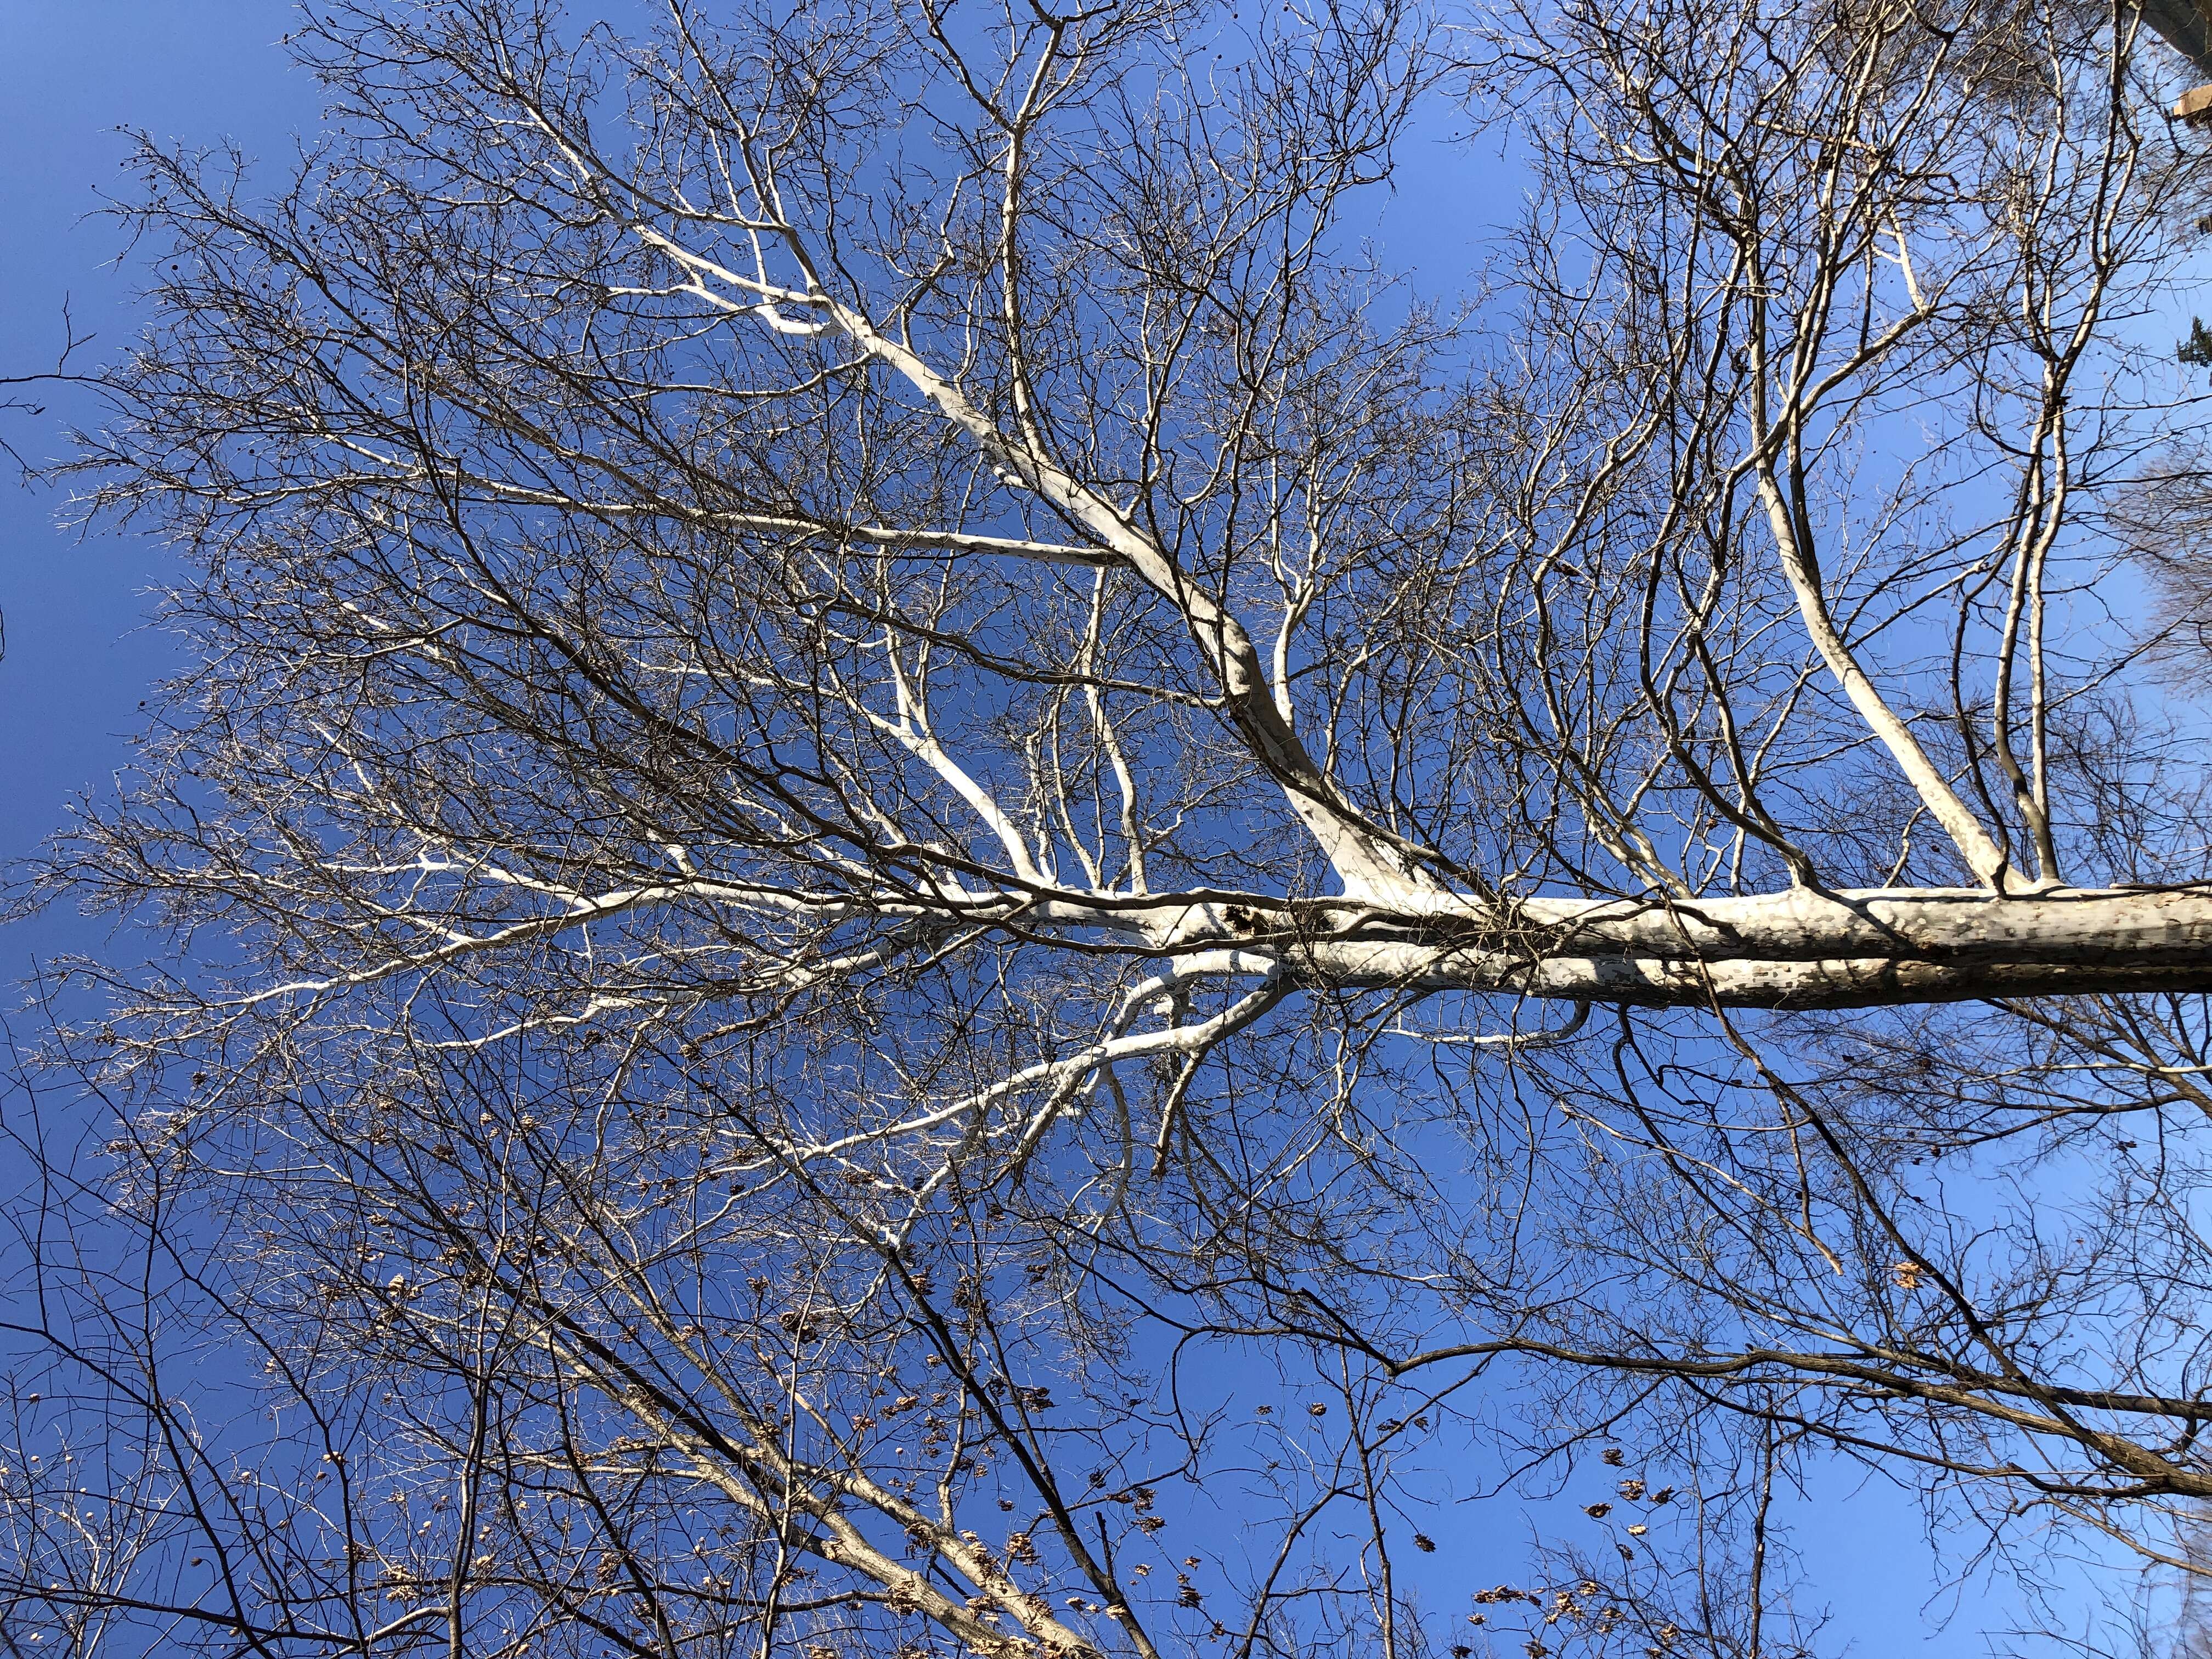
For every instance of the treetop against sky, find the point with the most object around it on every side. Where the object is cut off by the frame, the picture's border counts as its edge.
(905, 829)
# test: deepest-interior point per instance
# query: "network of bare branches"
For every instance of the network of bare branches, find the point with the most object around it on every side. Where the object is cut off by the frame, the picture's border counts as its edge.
(928, 883)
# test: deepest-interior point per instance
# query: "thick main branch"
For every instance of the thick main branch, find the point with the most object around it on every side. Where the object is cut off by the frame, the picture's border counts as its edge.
(1798, 949)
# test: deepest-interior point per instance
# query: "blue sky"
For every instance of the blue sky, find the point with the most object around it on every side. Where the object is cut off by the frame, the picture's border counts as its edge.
(71, 72)
(79, 659)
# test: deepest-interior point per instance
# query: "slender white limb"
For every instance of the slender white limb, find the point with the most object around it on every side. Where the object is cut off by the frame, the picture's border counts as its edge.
(913, 731)
(1964, 829)
(873, 536)
(1547, 1037)
(1125, 785)
(1073, 1068)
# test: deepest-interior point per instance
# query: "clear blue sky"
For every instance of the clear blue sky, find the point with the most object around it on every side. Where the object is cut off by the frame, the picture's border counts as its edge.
(71, 72)
(78, 660)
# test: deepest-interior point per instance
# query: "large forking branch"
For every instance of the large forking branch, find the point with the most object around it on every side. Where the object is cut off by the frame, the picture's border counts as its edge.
(1395, 925)
(1798, 948)
(1371, 864)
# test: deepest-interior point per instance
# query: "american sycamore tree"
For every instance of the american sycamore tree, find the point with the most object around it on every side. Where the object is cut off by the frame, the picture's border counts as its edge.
(929, 881)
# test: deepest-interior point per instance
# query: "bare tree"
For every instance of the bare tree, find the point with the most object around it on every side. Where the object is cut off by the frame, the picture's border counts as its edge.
(904, 808)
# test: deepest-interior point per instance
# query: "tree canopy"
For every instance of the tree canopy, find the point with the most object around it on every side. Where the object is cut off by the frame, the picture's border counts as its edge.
(920, 850)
